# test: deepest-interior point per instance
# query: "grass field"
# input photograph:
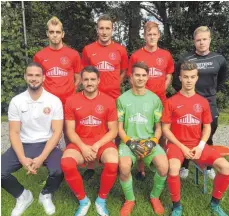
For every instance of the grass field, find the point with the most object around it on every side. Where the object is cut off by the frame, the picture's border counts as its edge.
(195, 203)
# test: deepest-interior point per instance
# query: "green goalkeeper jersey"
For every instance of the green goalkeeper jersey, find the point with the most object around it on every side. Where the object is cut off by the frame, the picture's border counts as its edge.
(139, 113)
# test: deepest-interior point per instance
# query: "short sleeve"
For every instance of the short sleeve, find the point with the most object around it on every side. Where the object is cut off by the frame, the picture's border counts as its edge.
(206, 114)
(13, 112)
(167, 112)
(36, 59)
(77, 63)
(112, 111)
(124, 59)
(85, 60)
(170, 66)
(158, 111)
(121, 112)
(68, 111)
(58, 111)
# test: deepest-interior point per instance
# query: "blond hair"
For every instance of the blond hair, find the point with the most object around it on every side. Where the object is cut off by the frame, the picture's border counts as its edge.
(201, 29)
(54, 21)
(149, 25)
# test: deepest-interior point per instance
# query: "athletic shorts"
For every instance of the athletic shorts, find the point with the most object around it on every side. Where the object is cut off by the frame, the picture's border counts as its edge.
(207, 158)
(100, 151)
(124, 150)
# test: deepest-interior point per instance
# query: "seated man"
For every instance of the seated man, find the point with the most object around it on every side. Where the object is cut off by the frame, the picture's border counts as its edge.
(187, 125)
(139, 113)
(91, 123)
(35, 127)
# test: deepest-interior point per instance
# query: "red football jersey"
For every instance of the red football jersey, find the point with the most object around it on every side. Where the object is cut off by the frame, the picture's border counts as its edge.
(91, 115)
(160, 64)
(59, 68)
(186, 116)
(109, 60)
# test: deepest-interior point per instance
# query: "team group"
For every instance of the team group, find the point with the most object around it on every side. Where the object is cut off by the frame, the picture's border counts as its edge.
(93, 119)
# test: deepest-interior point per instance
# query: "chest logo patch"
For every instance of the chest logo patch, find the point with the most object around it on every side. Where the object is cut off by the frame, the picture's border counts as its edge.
(99, 109)
(112, 56)
(64, 60)
(47, 110)
(160, 61)
(197, 108)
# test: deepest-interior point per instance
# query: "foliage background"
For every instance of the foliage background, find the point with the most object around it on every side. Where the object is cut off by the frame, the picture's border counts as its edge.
(179, 19)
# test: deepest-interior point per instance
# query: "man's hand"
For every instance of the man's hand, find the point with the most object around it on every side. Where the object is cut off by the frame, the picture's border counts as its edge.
(27, 164)
(95, 147)
(136, 148)
(197, 152)
(37, 162)
(187, 152)
(88, 153)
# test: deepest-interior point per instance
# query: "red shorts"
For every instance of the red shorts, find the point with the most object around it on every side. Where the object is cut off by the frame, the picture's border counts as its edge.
(207, 158)
(100, 151)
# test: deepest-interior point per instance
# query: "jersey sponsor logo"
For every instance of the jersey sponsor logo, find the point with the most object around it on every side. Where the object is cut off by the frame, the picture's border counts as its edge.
(112, 56)
(160, 61)
(47, 110)
(138, 118)
(188, 120)
(64, 60)
(197, 108)
(90, 121)
(204, 65)
(154, 72)
(105, 66)
(56, 72)
(99, 109)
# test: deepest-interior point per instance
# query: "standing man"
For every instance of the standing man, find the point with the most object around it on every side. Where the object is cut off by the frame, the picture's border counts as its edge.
(91, 123)
(35, 127)
(139, 112)
(61, 64)
(212, 75)
(186, 124)
(110, 58)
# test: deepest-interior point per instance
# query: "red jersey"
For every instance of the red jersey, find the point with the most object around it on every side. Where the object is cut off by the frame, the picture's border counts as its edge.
(160, 64)
(59, 68)
(91, 115)
(109, 60)
(186, 116)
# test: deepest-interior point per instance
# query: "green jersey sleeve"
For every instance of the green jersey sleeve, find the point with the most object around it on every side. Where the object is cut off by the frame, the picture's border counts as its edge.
(158, 111)
(121, 113)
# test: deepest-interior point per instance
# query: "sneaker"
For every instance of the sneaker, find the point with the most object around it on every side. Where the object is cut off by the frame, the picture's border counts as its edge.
(83, 207)
(157, 206)
(217, 210)
(184, 173)
(211, 173)
(88, 174)
(100, 205)
(46, 201)
(127, 208)
(177, 211)
(23, 202)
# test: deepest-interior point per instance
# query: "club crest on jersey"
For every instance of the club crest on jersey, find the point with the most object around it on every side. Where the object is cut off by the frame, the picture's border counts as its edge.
(64, 60)
(197, 108)
(188, 120)
(112, 56)
(90, 121)
(99, 109)
(47, 110)
(138, 118)
(160, 61)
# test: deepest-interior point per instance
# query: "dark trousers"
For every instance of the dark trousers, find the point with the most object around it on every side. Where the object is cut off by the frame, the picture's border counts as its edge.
(10, 164)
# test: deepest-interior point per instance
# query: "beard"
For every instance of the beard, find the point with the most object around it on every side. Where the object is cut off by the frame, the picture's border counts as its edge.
(34, 88)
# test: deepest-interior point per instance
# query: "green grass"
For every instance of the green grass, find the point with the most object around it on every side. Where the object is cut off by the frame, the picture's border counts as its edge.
(224, 117)
(4, 118)
(193, 200)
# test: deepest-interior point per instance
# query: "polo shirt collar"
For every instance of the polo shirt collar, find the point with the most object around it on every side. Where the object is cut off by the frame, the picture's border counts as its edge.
(39, 100)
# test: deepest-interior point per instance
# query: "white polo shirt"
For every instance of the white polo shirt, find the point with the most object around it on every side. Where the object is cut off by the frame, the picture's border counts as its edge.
(35, 116)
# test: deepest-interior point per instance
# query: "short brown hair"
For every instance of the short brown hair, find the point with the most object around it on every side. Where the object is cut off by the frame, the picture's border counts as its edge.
(141, 65)
(54, 21)
(34, 64)
(149, 25)
(105, 17)
(90, 69)
(188, 66)
(201, 29)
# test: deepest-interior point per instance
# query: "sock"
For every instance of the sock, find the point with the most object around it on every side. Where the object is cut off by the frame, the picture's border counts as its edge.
(108, 178)
(158, 185)
(176, 204)
(127, 187)
(174, 187)
(221, 183)
(215, 201)
(73, 177)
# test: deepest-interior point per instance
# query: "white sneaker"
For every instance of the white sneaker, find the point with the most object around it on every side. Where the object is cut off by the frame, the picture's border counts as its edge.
(211, 173)
(46, 201)
(184, 173)
(23, 202)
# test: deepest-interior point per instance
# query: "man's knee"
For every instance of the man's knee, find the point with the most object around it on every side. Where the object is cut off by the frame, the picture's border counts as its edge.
(125, 167)
(110, 155)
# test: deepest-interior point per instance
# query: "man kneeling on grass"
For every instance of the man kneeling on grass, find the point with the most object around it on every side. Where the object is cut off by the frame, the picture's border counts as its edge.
(186, 124)
(35, 127)
(91, 123)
